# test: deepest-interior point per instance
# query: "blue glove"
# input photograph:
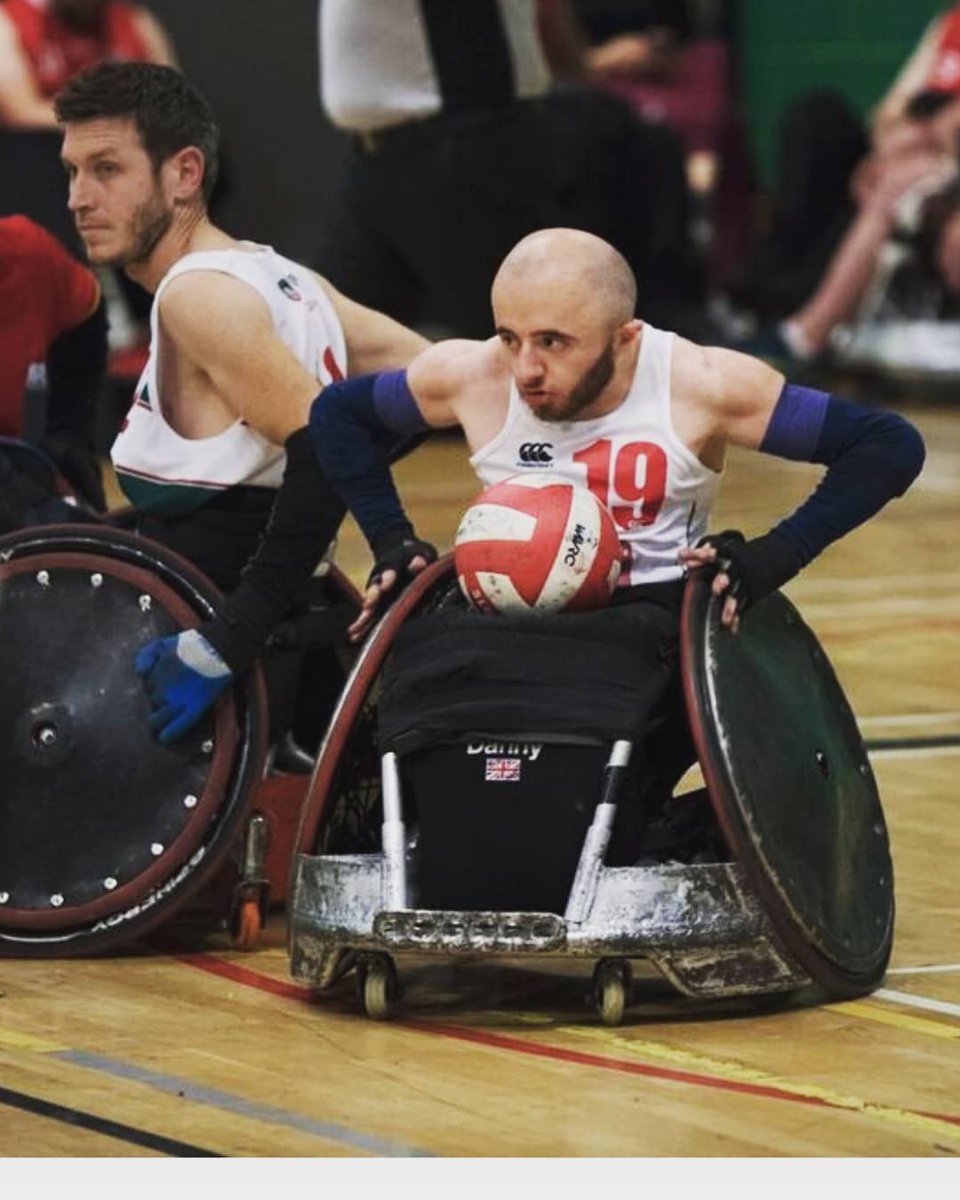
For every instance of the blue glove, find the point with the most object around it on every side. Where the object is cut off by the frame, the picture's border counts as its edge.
(183, 676)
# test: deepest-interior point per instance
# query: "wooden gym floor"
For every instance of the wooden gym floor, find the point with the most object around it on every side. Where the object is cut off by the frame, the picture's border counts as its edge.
(180, 1048)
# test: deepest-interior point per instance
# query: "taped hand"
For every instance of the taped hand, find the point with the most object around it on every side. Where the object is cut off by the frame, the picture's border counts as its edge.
(183, 676)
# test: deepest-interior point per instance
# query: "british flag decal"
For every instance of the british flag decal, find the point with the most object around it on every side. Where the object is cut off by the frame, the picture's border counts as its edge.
(502, 770)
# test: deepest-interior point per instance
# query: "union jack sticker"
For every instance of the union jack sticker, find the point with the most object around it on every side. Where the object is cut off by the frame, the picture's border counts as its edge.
(502, 770)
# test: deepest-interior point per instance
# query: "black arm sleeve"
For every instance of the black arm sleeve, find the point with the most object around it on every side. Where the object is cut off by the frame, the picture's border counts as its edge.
(76, 369)
(305, 517)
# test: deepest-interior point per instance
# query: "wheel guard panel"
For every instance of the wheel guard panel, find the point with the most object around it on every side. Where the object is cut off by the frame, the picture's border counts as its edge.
(791, 783)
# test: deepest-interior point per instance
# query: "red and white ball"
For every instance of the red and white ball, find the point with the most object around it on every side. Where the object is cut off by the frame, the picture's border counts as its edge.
(537, 543)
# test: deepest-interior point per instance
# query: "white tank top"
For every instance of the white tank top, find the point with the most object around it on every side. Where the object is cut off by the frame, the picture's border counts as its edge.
(156, 467)
(380, 62)
(632, 460)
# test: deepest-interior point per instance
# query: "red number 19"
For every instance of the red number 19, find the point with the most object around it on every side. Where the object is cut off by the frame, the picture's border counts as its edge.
(623, 481)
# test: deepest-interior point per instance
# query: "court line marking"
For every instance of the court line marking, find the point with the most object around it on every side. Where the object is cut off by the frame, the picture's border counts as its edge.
(212, 1097)
(941, 1124)
(228, 1102)
(906, 719)
(928, 970)
(117, 1130)
(939, 1006)
(886, 1016)
(732, 1070)
(915, 752)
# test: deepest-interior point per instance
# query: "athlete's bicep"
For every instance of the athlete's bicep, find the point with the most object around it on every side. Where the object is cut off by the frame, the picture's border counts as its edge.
(224, 328)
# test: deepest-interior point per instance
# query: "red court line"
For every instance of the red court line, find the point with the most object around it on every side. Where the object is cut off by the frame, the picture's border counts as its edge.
(291, 991)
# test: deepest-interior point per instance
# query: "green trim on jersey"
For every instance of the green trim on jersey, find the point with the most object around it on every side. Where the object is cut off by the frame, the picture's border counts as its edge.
(171, 499)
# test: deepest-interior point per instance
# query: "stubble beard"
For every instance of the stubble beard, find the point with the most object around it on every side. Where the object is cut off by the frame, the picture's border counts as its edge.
(585, 391)
(151, 220)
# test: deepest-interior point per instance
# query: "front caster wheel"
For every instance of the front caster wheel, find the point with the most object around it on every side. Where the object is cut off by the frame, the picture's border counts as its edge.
(611, 986)
(377, 985)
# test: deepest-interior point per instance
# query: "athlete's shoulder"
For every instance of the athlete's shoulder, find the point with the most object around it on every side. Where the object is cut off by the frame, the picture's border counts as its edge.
(457, 366)
(718, 376)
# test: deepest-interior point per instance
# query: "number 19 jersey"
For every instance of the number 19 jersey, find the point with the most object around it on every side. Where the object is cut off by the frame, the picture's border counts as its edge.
(632, 459)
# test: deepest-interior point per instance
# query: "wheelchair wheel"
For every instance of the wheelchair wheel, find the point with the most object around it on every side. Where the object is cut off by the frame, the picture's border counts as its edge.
(106, 831)
(377, 985)
(611, 988)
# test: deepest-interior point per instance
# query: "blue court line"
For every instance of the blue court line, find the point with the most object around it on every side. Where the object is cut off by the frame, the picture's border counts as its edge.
(188, 1090)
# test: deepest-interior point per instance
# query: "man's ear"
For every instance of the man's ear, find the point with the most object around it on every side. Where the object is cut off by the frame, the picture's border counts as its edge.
(185, 171)
(629, 331)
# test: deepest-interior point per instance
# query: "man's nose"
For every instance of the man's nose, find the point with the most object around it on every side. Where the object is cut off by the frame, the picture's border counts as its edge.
(529, 363)
(78, 195)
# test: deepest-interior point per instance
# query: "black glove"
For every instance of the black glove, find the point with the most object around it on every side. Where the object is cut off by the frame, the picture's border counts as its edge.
(754, 568)
(395, 551)
(79, 465)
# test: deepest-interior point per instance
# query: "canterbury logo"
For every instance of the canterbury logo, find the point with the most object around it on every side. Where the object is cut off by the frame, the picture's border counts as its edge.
(536, 452)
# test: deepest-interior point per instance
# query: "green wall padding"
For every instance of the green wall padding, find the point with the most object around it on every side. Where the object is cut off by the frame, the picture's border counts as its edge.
(790, 46)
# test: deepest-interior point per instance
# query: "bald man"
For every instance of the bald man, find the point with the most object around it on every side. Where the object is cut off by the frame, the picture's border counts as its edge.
(641, 416)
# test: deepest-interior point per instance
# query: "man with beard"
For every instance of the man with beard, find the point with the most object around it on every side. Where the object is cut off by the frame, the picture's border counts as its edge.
(214, 452)
(641, 416)
(45, 43)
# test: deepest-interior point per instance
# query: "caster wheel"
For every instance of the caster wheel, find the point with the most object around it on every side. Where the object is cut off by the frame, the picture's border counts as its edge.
(377, 985)
(611, 985)
(246, 923)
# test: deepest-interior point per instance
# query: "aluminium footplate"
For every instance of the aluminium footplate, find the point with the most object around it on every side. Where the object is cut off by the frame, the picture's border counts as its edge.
(700, 925)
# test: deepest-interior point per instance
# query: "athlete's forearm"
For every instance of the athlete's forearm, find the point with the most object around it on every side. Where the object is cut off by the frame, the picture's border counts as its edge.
(352, 426)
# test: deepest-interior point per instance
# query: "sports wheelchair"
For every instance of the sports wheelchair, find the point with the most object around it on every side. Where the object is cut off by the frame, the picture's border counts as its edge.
(482, 840)
(106, 834)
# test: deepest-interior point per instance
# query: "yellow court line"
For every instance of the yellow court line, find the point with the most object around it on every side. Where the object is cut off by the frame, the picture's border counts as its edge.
(738, 1073)
(886, 1016)
(26, 1041)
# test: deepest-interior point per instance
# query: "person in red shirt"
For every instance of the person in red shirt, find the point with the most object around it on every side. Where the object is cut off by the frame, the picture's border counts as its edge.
(45, 43)
(52, 338)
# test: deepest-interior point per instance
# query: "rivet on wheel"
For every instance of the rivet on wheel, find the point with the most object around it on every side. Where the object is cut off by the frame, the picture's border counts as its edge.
(43, 578)
(207, 746)
(4, 897)
(156, 849)
(146, 603)
(110, 883)
(189, 802)
(56, 900)
(96, 580)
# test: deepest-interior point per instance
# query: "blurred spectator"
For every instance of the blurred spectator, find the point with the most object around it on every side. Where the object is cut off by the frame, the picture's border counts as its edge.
(831, 168)
(457, 147)
(45, 43)
(672, 61)
(52, 351)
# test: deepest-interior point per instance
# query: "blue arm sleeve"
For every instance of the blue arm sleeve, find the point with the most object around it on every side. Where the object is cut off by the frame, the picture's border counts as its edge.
(352, 424)
(870, 458)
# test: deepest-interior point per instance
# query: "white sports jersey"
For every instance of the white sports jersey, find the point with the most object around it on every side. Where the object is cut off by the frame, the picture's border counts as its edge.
(161, 470)
(632, 460)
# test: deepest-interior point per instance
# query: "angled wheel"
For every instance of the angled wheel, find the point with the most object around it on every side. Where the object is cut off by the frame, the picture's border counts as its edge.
(106, 832)
(791, 785)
